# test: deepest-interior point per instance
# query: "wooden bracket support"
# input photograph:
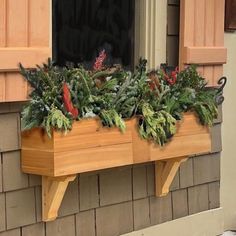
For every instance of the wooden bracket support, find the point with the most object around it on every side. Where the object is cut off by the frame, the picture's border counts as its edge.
(165, 171)
(53, 190)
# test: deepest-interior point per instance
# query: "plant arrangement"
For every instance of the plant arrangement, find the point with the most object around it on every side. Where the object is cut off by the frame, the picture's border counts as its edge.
(158, 98)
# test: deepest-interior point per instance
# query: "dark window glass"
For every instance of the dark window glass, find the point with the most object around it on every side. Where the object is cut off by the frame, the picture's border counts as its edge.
(82, 28)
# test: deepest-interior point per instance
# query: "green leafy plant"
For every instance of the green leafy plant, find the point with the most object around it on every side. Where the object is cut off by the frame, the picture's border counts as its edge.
(157, 98)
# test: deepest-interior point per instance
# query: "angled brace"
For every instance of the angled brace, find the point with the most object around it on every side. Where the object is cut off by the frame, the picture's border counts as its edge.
(165, 171)
(53, 191)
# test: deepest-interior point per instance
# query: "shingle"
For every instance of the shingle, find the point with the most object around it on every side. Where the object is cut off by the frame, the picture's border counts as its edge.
(20, 208)
(172, 50)
(186, 173)
(35, 180)
(61, 227)
(38, 199)
(13, 177)
(198, 198)
(139, 181)
(70, 202)
(14, 232)
(206, 168)
(115, 219)
(115, 186)
(173, 2)
(220, 115)
(216, 145)
(150, 179)
(1, 187)
(34, 230)
(160, 209)
(9, 126)
(85, 223)
(2, 212)
(11, 107)
(88, 191)
(214, 195)
(173, 20)
(175, 184)
(180, 203)
(141, 214)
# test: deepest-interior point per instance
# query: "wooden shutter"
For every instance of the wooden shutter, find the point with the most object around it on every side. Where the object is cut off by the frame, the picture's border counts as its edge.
(25, 38)
(202, 37)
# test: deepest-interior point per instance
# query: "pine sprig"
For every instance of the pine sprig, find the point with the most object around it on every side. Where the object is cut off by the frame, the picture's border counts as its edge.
(158, 98)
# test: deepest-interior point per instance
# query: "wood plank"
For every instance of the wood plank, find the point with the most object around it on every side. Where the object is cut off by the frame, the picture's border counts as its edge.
(218, 72)
(182, 146)
(90, 133)
(29, 57)
(3, 23)
(141, 148)
(37, 162)
(165, 172)
(190, 125)
(209, 75)
(186, 35)
(53, 191)
(209, 37)
(219, 22)
(71, 158)
(202, 26)
(204, 55)
(97, 139)
(209, 22)
(15, 87)
(199, 22)
(3, 11)
(2, 87)
(39, 27)
(36, 139)
(91, 159)
(187, 22)
(17, 23)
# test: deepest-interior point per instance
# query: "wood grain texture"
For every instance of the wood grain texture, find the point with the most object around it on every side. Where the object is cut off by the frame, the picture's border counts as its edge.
(165, 172)
(204, 55)
(202, 37)
(90, 147)
(25, 38)
(29, 57)
(53, 190)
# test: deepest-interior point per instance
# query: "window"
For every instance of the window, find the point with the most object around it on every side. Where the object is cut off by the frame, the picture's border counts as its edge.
(82, 28)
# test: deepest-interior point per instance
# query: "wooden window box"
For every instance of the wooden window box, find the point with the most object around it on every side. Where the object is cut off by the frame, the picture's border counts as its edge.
(89, 147)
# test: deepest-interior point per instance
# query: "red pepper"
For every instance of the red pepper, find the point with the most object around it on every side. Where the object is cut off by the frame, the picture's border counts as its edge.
(173, 76)
(68, 103)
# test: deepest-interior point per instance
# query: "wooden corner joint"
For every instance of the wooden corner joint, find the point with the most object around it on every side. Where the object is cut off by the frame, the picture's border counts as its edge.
(165, 171)
(53, 191)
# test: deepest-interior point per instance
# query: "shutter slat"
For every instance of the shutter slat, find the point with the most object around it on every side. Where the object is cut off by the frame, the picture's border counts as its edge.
(25, 38)
(202, 37)
(2, 23)
(17, 23)
(29, 57)
(204, 55)
(39, 29)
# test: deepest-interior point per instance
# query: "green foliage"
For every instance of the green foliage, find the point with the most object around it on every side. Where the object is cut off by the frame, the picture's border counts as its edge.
(56, 120)
(113, 94)
(111, 118)
(158, 126)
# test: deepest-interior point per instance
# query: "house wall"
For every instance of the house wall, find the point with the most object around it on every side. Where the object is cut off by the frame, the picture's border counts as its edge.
(115, 201)
(172, 34)
(109, 202)
(228, 163)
